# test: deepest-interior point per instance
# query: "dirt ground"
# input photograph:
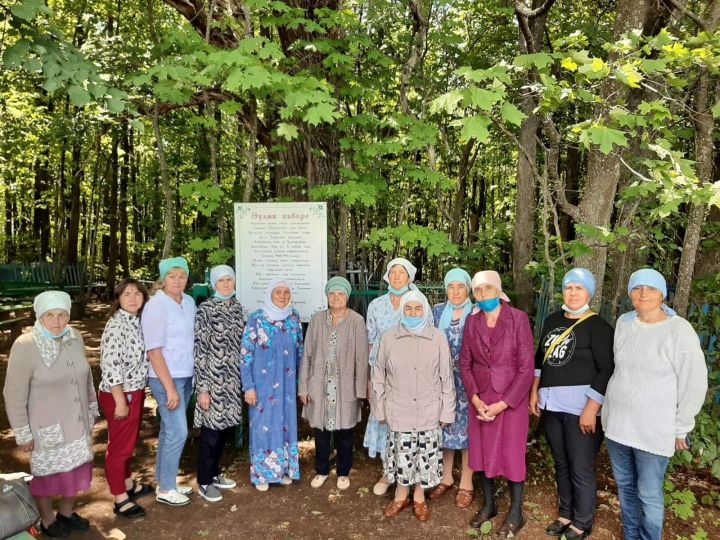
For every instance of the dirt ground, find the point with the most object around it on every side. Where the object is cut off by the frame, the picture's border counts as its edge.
(298, 511)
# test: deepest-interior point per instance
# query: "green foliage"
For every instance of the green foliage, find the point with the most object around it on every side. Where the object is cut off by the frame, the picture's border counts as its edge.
(39, 49)
(679, 502)
(404, 238)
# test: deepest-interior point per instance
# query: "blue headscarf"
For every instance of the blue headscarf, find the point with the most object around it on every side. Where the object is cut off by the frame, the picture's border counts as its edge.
(174, 262)
(650, 278)
(456, 275)
(581, 276)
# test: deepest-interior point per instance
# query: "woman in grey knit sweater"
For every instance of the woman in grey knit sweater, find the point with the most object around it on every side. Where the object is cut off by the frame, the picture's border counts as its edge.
(658, 387)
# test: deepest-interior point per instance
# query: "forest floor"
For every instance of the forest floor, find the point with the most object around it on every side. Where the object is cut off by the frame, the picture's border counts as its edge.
(298, 511)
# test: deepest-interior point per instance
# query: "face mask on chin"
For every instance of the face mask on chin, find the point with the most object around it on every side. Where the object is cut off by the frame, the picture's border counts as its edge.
(579, 311)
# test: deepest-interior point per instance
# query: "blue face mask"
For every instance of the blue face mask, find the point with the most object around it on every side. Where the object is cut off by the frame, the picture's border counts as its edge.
(412, 322)
(488, 305)
(398, 292)
(222, 296)
(50, 335)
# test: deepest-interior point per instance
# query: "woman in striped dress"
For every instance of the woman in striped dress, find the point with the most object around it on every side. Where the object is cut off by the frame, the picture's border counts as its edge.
(219, 325)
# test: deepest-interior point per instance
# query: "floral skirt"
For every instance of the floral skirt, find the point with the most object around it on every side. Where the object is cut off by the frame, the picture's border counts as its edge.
(414, 457)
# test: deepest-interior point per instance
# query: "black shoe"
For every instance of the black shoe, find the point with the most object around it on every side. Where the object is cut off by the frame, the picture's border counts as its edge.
(55, 530)
(556, 528)
(569, 534)
(135, 493)
(132, 509)
(510, 526)
(483, 515)
(73, 522)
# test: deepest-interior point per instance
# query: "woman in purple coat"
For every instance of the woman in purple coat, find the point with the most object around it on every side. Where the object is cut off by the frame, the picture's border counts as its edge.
(496, 364)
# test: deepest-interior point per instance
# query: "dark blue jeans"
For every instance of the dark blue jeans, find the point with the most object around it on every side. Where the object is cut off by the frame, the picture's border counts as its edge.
(639, 476)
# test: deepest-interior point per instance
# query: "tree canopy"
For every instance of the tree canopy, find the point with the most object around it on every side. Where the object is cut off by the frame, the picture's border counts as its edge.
(524, 136)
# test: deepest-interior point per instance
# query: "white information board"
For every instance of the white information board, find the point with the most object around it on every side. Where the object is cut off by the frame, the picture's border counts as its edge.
(282, 241)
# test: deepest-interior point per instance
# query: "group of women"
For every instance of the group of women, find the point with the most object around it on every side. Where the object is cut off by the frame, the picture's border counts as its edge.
(462, 376)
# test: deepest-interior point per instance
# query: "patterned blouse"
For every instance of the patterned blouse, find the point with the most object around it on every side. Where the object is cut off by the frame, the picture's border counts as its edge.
(219, 326)
(332, 376)
(122, 354)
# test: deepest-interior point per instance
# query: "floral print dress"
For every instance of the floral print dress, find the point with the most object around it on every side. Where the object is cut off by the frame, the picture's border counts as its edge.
(455, 436)
(270, 354)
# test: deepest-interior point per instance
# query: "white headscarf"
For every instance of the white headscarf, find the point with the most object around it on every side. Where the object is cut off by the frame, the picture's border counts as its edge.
(47, 344)
(273, 312)
(407, 265)
(45, 301)
(221, 270)
(416, 296)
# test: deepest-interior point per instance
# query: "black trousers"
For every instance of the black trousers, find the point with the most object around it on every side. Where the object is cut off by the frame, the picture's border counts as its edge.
(574, 454)
(344, 446)
(212, 443)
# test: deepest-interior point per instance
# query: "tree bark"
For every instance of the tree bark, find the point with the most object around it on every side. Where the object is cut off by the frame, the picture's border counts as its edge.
(123, 210)
(167, 184)
(705, 96)
(77, 178)
(530, 41)
(112, 214)
(598, 199)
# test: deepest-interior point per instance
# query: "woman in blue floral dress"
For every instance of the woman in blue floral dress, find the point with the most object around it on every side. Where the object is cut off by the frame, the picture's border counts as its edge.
(383, 313)
(271, 350)
(450, 318)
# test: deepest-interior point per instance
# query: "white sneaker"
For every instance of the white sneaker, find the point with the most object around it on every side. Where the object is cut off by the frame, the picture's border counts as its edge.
(318, 481)
(184, 490)
(286, 480)
(343, 482)
(262, 487)
(223, 483)
(172, 498)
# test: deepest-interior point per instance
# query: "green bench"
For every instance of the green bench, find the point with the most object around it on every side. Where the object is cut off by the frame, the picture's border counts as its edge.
(26, 280)
(14, 316)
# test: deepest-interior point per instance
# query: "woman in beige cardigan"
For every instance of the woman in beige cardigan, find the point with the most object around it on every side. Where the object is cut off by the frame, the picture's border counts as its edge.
(414, 393)
(333, 380)
(51, 404)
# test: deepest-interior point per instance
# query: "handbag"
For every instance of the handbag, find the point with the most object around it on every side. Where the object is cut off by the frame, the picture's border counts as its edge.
(18, 511)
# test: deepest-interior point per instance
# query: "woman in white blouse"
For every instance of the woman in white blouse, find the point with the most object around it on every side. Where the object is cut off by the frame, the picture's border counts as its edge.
(124, 374)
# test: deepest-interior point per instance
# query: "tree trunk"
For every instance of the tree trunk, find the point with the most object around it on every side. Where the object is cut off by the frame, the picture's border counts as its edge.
(524, 227)
(705, 96)
(124, 211)
(77, 178)
(603, 175)
(41, 212)
(112, 214)
(167, 185)
(251, 153)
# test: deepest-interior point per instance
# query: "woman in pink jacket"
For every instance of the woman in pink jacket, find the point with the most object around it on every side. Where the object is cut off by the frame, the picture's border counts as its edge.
(496, 364)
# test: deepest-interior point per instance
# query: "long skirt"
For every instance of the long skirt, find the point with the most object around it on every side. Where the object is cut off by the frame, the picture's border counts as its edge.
(414, 457)
(64, 484)
(498, 447)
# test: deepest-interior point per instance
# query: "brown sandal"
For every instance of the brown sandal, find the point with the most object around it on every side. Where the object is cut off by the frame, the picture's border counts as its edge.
(422, 513)
(464, 498)
(439, 491)
(395, 507)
